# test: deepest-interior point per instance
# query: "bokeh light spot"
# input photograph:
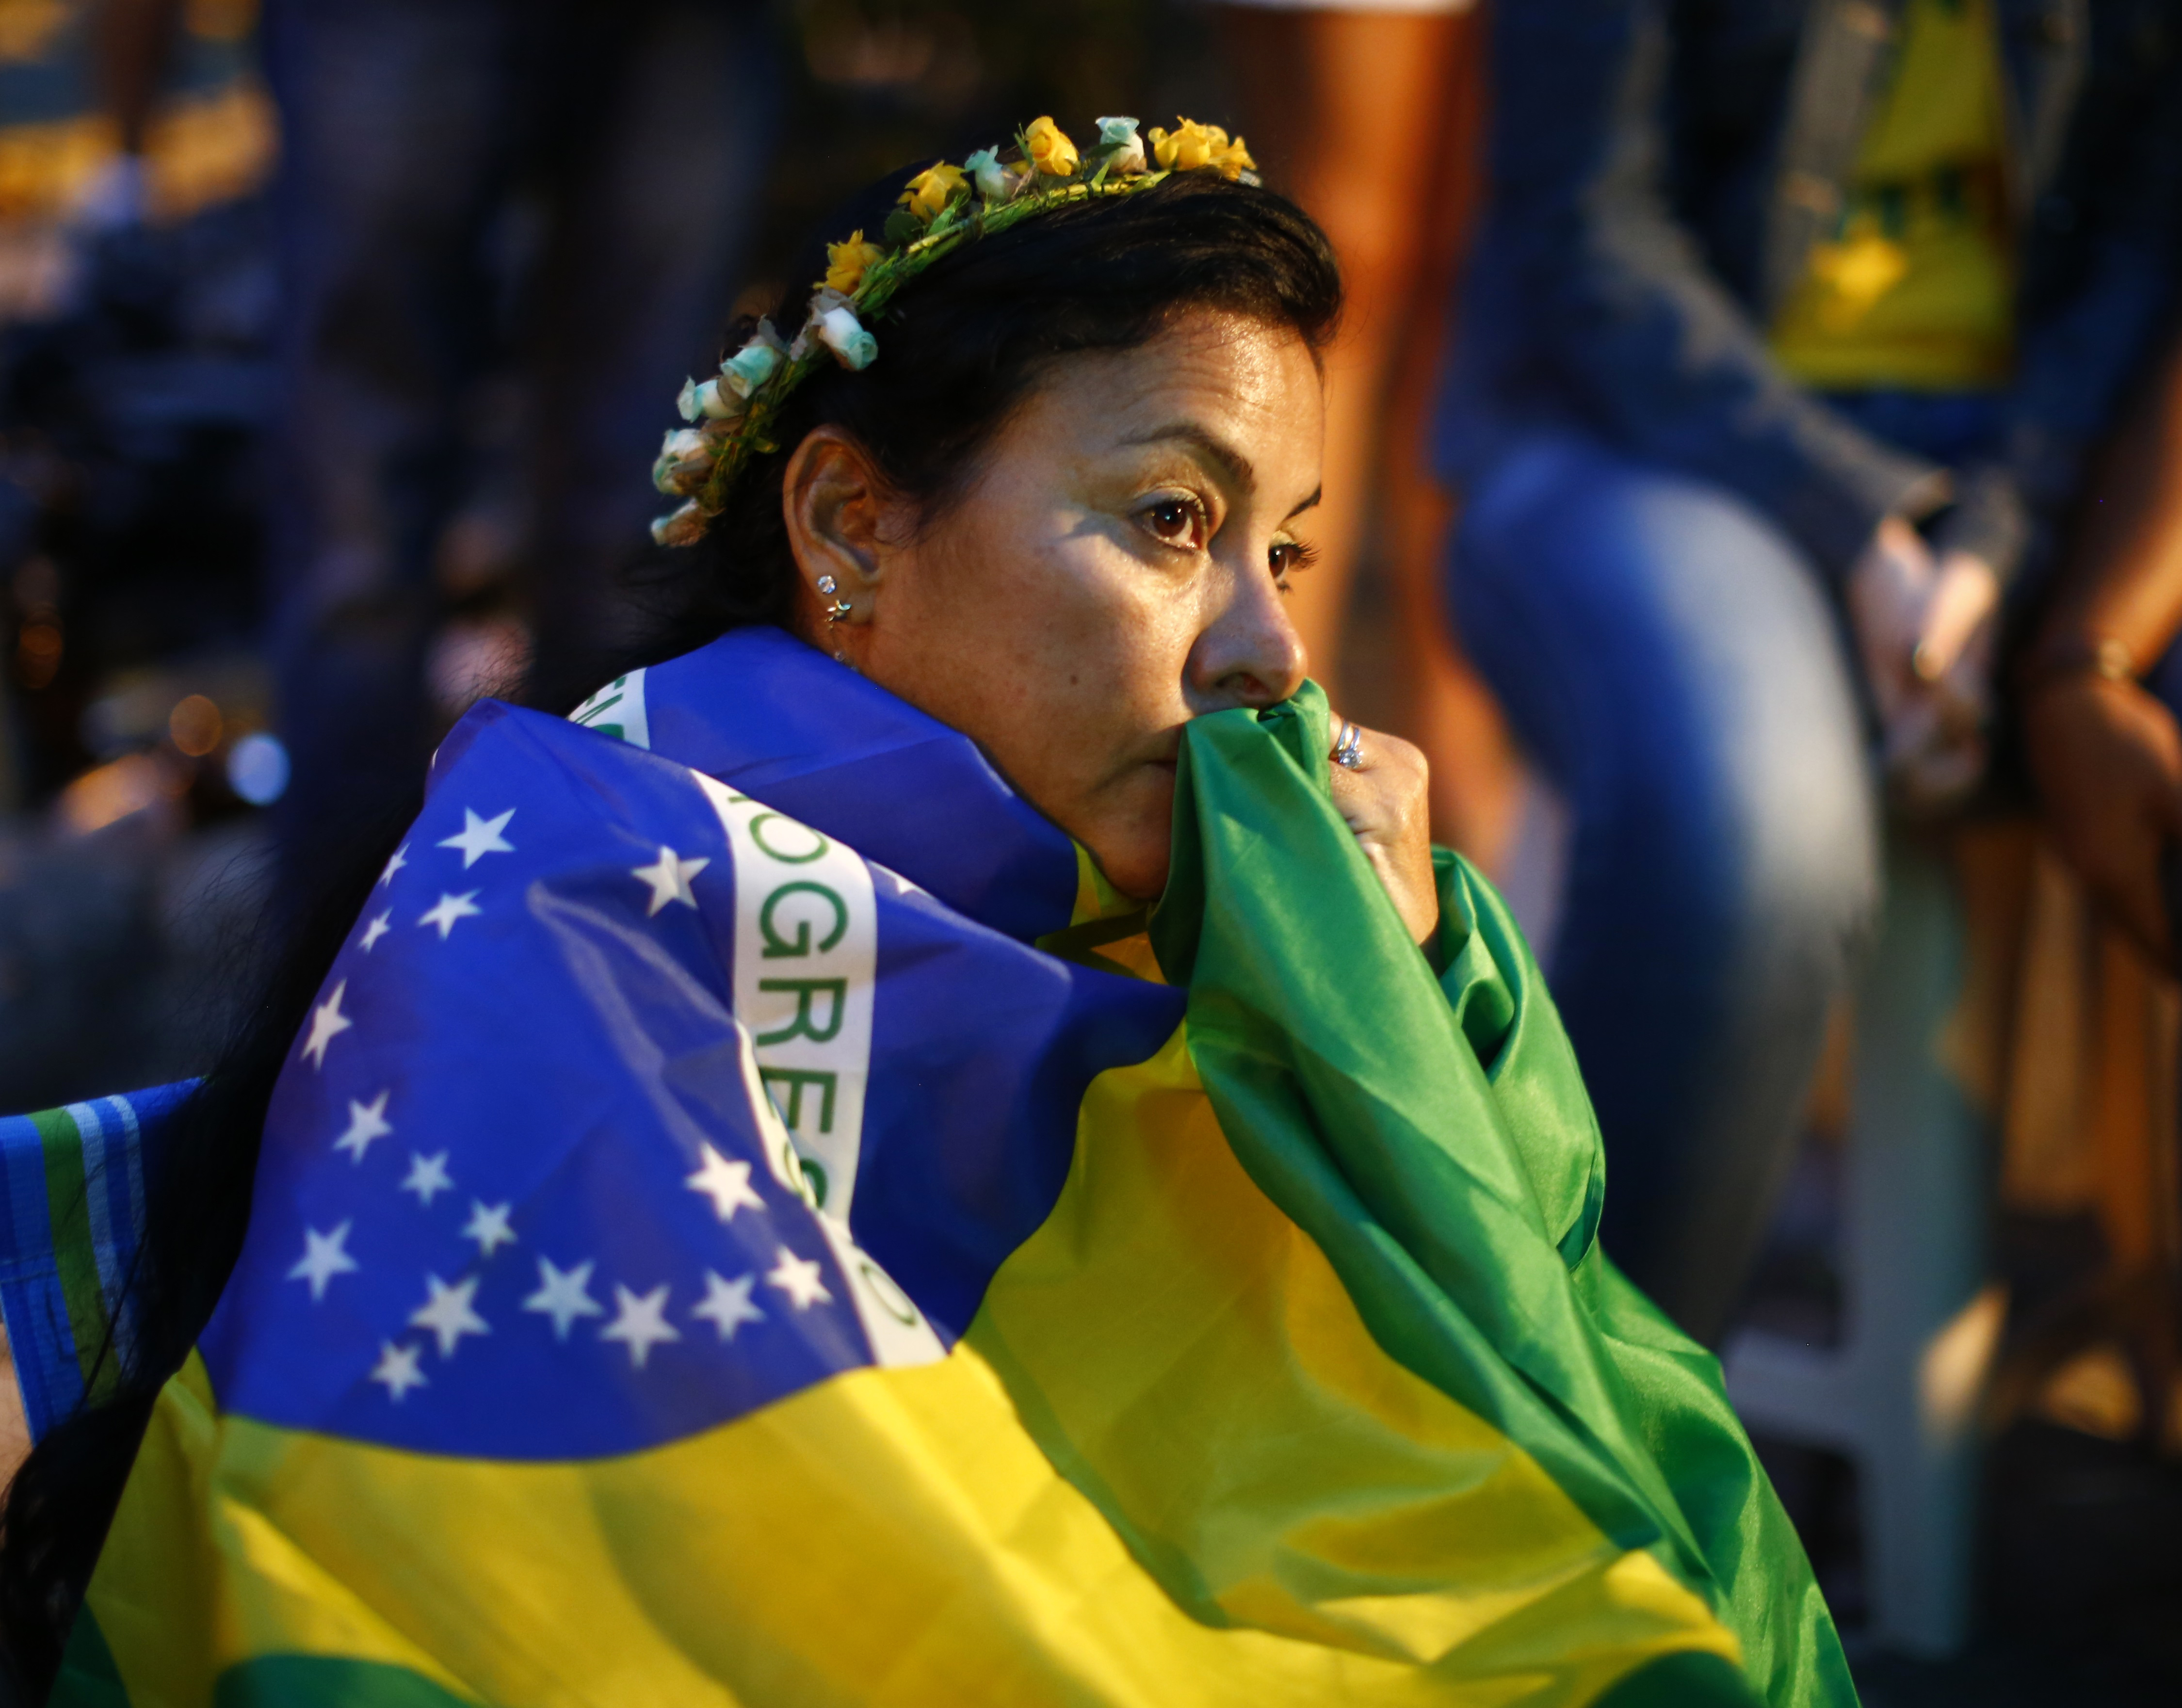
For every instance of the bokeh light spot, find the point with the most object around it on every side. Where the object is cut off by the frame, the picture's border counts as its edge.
(194, 726)
(257, 769)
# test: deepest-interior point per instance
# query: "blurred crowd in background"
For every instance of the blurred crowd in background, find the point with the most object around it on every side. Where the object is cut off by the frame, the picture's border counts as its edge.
(1753, 474)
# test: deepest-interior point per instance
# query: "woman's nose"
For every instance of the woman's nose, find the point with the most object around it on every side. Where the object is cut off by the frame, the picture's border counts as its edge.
(1249, 653)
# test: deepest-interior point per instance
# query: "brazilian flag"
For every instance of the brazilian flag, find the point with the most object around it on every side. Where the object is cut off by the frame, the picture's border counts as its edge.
(753, 1219)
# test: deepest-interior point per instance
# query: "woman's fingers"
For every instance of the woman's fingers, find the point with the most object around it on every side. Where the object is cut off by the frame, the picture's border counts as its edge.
(1382, 790)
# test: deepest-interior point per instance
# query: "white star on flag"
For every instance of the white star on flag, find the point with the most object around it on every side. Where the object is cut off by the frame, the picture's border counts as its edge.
(669, 877)
(328, 1022)
(377, 929)
(451, 908)
(366, 1122)
(426, 1176)
(480, 837)
(397, 1369)
(489, 1227)
(448, 1314)
(642, 1323)
(323, 1259)
(727, 1304)
(564, 1295)
(726, 1183)
(399, 860)
(798, 1277)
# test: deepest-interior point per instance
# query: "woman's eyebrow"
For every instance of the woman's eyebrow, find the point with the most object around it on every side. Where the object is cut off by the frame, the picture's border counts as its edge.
(1310, 503)
(1189, 433)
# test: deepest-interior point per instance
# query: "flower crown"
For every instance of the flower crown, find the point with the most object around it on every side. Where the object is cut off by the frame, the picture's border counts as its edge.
(943, 207)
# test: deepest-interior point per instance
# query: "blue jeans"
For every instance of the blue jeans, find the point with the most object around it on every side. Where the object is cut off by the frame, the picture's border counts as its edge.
(1673, 663)
(417, 134)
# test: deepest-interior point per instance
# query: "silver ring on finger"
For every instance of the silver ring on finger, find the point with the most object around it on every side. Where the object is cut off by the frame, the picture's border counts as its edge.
(1348, 749)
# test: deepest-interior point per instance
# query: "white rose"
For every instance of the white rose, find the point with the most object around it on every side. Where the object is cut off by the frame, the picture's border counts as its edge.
(683, 527)
(842, 333)
(1120, 135)
(685, 457)
(706, 400)
(750, 368)
(994, 182)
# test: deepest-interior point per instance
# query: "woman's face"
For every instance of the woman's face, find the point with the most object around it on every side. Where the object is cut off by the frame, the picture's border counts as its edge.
(1116, 568)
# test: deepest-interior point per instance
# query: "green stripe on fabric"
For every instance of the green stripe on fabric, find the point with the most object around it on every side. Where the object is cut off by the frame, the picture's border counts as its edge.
(328, 1681)
(1687, 1680)
(1432, 1137)
(68, 1201)
(88, 1678)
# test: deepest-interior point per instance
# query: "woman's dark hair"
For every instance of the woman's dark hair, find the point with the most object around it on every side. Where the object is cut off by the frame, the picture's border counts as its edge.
(959, 348)
(963, 344)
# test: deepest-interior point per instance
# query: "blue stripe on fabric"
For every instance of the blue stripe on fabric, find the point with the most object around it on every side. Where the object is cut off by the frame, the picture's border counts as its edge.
(31, 1303)
(99, 1217)
(124, 1198)
(118, 1131)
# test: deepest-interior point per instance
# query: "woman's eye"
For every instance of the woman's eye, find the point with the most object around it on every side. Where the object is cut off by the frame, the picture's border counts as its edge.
(1178, 521)
(1288, 555)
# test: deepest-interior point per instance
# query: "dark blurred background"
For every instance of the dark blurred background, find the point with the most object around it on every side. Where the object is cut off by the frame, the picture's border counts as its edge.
(140, 382)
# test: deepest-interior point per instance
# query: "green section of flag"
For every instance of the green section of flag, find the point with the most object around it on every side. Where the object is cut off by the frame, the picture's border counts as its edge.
(1437, 1145)
(324, 1681)
(88, 1678)
(68, 1201)
(1687, 1680)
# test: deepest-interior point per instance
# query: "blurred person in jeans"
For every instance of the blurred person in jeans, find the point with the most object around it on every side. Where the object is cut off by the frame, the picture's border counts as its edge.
(636, 137)
(1784, 339)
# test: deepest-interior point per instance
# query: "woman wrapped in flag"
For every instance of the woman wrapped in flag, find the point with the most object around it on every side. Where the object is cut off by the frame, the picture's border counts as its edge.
(946, 1140)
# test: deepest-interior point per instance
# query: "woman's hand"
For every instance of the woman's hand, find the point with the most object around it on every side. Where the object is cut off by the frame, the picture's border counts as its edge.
(1385, 800)
(2106, 758)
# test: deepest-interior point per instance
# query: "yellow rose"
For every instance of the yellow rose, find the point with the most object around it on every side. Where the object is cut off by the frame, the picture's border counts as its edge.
(1232, 158)
(847, 263)
(929, 190)
(1197, 146)
(1189, 148)
(1049, 149)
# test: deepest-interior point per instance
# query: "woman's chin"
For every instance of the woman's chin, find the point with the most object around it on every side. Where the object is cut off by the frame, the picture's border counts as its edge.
(1133, 842)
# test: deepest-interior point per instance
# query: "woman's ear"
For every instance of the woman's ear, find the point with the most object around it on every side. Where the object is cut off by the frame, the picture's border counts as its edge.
(838, 509)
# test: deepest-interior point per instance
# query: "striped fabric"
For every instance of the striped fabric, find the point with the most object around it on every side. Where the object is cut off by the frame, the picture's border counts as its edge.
(71, 1213)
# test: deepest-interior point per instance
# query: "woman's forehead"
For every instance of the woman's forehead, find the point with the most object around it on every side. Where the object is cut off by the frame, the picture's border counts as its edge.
(1236, 392)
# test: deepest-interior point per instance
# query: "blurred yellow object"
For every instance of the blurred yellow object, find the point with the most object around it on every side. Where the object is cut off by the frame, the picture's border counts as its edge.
(1855, 273)
(1916, 289)
(2096, 1393)
(203, 150)
(112, 793)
